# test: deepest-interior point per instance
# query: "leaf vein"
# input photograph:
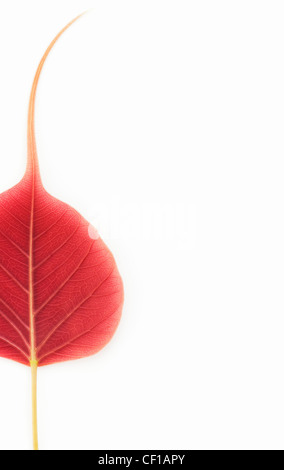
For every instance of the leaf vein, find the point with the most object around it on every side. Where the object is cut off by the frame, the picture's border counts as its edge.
(14, 217)
(14, 243)
(50, 227)
(8, 320)
(12, 277)
(15, 346)
(77, 337)
(65, 281)
(63, 320)
(14, 313)
(58, 248)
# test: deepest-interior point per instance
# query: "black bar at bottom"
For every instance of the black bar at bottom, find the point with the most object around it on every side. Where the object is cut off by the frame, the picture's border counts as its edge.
(140, 458)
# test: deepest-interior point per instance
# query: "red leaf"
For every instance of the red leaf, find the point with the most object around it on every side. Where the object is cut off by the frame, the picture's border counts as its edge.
(60, 291)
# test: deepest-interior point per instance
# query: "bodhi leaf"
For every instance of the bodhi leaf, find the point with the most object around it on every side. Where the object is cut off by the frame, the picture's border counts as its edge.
(61, 294)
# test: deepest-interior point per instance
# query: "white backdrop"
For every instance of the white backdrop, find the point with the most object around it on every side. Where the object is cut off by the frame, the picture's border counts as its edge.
(162, 123)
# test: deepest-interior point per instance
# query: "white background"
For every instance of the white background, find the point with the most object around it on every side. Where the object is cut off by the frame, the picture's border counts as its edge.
(162, 123)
